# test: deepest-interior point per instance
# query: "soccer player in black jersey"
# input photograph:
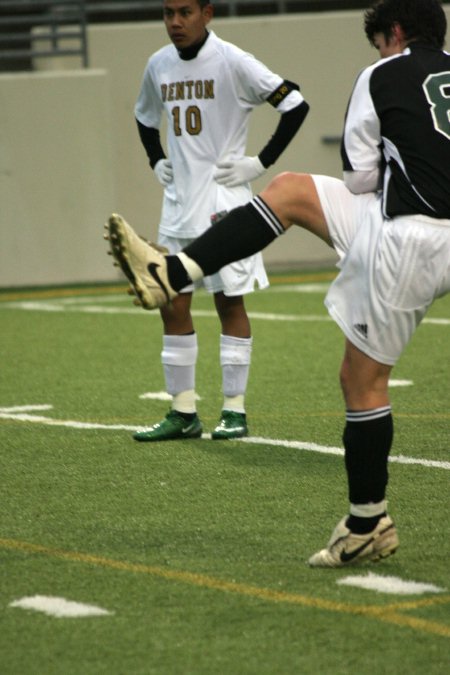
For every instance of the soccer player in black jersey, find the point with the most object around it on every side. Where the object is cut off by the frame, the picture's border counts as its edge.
(389, 222)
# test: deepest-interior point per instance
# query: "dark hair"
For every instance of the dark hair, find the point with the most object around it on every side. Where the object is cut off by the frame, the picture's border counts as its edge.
(422, 20)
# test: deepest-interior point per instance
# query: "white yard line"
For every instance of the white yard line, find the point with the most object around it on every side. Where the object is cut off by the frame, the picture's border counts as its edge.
(23, 416)
(87, 306)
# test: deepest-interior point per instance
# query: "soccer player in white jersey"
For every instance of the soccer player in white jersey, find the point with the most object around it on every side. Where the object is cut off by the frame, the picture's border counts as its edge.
(207, 89)
(389, 221)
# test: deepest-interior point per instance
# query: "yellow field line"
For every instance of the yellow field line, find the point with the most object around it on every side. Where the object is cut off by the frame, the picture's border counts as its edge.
(388, 613)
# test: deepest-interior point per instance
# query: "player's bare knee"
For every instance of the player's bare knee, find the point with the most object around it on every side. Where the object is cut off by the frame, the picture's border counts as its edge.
(285, 183)
(282, 194)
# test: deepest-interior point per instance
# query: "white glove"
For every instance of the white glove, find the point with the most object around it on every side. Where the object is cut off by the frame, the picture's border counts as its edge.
(164, 172)
(232, 173)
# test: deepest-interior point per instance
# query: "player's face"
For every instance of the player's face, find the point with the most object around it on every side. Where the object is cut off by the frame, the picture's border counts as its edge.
(387, 47)
(186, 21)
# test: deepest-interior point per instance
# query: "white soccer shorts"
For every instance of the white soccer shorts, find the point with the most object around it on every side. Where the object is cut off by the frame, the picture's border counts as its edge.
(391, 270)
(236, 279)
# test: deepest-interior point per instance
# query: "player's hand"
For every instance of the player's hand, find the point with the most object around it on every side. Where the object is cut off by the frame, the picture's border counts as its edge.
(232, 173)
(164, 172)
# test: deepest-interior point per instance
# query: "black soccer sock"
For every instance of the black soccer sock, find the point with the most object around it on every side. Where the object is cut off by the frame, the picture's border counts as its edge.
(367, 440)
(178, 276)
(359, 525)
(243, 232)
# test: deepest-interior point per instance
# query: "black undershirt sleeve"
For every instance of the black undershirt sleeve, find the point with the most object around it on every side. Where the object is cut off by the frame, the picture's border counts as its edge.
(152, 143)
(288, 126)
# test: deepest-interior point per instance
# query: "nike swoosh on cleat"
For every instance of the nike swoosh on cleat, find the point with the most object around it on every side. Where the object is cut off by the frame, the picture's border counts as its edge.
(347, 557)
(153, 270)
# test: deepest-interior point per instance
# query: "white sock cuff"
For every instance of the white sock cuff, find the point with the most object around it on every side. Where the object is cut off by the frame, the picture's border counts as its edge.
(195, 271)
(368, 510)
(234, 403)
(185, 401)
(367, 415)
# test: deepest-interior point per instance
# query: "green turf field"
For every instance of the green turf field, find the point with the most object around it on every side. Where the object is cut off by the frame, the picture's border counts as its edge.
(195, 550)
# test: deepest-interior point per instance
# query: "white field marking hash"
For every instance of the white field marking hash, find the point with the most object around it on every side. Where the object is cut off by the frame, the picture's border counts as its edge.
(394, 585)
(400, 383)
(161, 396)
(295, 445)
(59, 607)
(156, 395)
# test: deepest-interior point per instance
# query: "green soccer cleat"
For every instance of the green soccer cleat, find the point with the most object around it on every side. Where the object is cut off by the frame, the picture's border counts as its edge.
(348, 548)
(232, 425)
(173, 426)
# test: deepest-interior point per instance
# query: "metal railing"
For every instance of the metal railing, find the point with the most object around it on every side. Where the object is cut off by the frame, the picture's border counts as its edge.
(30, 30)
(131, 10)
(254, 7)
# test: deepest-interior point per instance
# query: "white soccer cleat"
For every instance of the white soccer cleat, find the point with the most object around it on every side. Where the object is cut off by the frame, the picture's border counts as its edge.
(347, 548)
(142, 263)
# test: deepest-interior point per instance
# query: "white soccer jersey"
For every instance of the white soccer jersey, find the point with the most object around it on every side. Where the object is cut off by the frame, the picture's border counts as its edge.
(207, 100)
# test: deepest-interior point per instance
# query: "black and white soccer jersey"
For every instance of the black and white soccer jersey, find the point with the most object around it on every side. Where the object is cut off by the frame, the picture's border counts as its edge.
(398, 122)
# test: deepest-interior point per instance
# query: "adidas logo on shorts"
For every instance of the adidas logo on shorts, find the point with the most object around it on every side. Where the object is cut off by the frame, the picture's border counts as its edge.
(361, 328)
